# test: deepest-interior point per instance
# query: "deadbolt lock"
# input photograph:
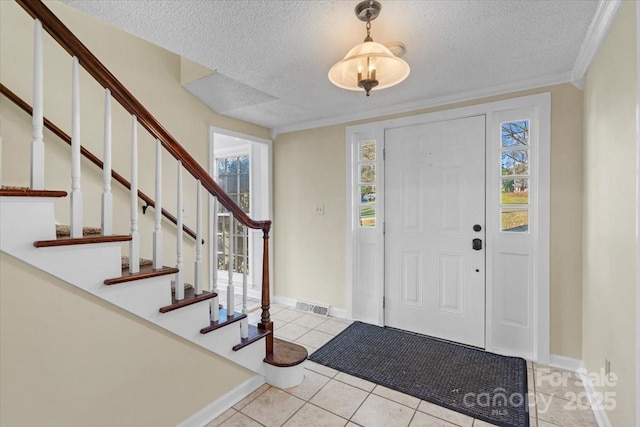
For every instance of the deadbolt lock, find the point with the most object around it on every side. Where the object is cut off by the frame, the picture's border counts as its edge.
(477, 244)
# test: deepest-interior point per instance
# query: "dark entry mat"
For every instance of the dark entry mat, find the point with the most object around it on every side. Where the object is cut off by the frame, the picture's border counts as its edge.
(483, 385)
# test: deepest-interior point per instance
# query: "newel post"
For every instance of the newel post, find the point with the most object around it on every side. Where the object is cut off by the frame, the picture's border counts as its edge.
(265, 320)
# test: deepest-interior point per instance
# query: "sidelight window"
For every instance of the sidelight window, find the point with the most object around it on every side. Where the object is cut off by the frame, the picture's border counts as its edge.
(367, 183)
(514, 176)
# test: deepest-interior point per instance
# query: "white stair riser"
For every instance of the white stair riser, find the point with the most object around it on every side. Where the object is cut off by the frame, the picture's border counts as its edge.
(26, 220)
(141, 297)
(85, 266)
(185, 321)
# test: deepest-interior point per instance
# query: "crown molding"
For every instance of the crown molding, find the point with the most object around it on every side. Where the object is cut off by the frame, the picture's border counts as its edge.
(538, 82)
(596, 33)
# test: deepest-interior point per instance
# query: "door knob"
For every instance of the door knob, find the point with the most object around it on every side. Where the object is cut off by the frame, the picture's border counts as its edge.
(477, 227)
(477, 244)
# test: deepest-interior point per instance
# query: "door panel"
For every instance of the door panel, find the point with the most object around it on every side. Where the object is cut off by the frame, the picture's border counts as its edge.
(434, 195)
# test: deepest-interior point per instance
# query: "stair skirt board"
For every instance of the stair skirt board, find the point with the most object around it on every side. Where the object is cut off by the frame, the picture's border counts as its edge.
(26, 220)
(251, 357)
(223, 403)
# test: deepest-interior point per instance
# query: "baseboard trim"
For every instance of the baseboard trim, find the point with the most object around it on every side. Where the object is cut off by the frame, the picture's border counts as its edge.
(220, 405)
(564, 362)
(576, 365)
(601, 415)
(291, 302)
(338, 312)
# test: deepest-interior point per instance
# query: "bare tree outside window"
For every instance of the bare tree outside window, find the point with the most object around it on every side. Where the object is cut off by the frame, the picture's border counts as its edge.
(514, 170)
(367, 183)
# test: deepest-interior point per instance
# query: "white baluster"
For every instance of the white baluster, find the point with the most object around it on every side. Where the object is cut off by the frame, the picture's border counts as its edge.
(198, 263)
(157, 230)
(134, 243)
(213, 258)
(37, 144)
(244, 323)
(179, 278)
(76, 194)
(230, 288)
(107, 197)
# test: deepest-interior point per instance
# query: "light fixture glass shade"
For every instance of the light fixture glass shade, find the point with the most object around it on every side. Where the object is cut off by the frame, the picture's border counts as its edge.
(389, 69)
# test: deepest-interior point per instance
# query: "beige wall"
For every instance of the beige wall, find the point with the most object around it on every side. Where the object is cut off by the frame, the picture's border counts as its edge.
(69, 359)
(309, 169)
(309, 251)
(610, 253)
(151, 73)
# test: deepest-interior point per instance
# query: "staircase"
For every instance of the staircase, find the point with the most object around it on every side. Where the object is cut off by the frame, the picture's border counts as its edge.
(91, 258)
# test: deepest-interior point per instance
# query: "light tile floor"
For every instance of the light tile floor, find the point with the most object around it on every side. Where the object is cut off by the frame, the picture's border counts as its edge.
(328, 398)
(252, 303)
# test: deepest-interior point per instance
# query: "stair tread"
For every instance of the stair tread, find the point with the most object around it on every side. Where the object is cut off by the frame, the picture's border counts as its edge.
(189, 298)
(14, 187)
(13, 191)
(143, 262)
(66, 241)
(286, 354)
(224, 320)
(254, 335)
(186, 286)
(65, 230)
(145, 272)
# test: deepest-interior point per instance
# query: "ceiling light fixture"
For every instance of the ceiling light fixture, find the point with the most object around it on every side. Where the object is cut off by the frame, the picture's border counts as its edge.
(369, 65)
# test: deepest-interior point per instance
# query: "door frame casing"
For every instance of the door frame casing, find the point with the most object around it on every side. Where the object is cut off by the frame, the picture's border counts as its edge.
(541, 103)
(265, 174)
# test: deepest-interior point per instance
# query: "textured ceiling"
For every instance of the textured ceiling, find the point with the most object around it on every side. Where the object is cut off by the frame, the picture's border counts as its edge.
(276, 54)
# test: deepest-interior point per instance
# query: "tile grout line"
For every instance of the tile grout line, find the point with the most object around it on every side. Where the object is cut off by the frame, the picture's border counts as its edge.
(314, 394)
(254, 420)
(317, 406)
(249, 402)
(296, 411)
(358, 408)
(371, 392)
(414, 415)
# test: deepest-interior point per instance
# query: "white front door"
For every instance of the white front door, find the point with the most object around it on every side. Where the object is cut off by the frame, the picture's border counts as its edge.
(434, 209)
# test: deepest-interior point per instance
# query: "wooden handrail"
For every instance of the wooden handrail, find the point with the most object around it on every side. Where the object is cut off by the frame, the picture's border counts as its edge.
(89, 155)
(67, 40)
